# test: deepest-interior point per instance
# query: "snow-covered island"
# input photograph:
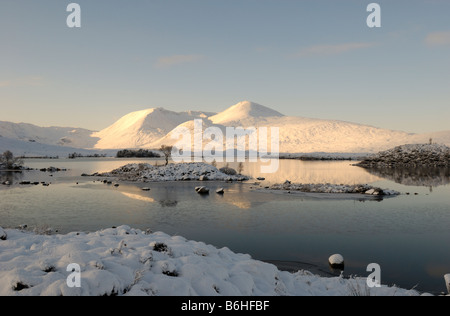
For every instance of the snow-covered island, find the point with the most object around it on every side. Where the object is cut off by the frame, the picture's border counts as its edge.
(332, 188)
(416, 155)
(171, 172)
(125, 261)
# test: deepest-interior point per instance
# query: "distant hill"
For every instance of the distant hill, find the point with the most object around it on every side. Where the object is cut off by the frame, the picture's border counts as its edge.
(151, 128)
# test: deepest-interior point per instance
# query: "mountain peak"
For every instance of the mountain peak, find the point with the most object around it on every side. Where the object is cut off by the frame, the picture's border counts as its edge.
(244, 110)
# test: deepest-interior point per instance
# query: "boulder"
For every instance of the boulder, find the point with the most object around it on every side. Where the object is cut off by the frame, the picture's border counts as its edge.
(203, 178)
(370, 192)
(202, 190)
(447, 282)
(220, 191)
(336, 262)
(260, 179)
(3, 235)
(146, 189)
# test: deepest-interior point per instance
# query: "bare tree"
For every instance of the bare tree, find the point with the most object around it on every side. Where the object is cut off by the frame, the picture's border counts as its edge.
(9, 161)
(240, 168)
(167, 151)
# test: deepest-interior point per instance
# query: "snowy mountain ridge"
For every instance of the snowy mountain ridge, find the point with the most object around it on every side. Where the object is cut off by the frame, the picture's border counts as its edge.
(154, 127)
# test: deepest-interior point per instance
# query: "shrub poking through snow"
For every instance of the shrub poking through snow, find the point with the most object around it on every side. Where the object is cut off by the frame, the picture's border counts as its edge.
(3, 235)
(160, 247)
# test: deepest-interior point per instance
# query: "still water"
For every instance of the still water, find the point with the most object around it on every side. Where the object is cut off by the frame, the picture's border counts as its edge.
(407, 235)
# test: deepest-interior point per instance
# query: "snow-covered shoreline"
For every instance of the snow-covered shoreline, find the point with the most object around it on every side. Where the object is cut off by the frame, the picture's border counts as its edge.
(126, 261)
(171, 172)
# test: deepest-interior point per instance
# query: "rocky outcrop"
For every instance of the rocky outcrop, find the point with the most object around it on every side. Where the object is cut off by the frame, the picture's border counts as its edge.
(171, 172)
(431, 155)
(333, 188)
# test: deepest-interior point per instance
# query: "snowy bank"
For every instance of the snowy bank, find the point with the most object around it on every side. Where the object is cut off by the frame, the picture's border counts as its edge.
(126, 261)
(333, 188)
(171, 172)
(416, 155)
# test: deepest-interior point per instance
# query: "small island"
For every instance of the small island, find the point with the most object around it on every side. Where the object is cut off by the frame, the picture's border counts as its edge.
(173, 172)
(416, 155)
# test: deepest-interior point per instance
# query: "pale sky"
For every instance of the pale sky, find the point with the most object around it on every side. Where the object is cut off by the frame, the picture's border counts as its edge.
(312, 58)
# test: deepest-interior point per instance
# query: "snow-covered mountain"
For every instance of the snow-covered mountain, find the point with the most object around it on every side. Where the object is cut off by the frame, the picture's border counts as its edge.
(307, 135)
(34, 149)
(141, 129)
(154, 127)
(57, 136)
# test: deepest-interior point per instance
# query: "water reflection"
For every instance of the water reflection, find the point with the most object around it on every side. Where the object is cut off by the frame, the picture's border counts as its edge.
(138, 197)
(11, 177)
(420, 176)
(334, 172)
(168, 197)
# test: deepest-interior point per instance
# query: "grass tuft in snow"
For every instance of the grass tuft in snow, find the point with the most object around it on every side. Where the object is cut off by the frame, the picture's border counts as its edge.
(355, 288)
(19, 286)
(160, 247)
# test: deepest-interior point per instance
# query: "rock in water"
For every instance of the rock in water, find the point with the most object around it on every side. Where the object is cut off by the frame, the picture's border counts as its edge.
(3, 235)
(145, 189)
(202, 190)
(336, 261)
(220, 191)
(447, 282)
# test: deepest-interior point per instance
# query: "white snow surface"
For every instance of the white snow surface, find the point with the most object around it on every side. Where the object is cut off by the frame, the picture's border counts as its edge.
(126, 261)
(171, 172)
